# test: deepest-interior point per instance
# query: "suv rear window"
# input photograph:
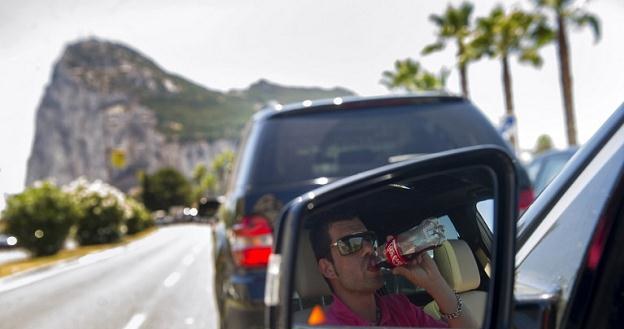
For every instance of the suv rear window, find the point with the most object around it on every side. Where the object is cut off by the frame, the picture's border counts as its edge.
(338, 143)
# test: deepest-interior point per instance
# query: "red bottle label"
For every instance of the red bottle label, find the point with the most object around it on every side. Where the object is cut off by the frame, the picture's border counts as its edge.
(393, 253)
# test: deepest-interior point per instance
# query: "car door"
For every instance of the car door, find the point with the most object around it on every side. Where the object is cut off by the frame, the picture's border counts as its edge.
(598, 300)
(562, 256)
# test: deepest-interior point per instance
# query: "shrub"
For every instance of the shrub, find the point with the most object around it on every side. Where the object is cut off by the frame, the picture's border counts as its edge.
(138, 217)
(102, 217)
(102, 210)
(40, 218)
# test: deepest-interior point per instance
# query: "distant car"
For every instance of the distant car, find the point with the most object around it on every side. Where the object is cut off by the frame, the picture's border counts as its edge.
(7, 241)
(162, 218)
(544, 168)
(289, 150)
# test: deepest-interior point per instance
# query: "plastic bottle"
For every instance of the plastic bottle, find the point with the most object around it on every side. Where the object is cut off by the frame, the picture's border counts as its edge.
(405, 246)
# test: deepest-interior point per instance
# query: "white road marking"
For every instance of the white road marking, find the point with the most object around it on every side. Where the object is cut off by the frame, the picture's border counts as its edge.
(172, 279)
(189, 321)
(136, 321)
(188, 260)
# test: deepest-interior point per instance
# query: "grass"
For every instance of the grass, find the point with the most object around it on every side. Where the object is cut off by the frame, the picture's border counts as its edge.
(64, 255)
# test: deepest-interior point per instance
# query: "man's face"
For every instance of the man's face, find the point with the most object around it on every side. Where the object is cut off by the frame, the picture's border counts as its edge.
(353, 272)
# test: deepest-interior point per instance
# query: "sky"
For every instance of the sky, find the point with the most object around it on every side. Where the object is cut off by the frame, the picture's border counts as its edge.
(348, 43)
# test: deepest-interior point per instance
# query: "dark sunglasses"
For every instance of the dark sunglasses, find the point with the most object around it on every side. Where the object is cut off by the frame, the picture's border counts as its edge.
(353, 242)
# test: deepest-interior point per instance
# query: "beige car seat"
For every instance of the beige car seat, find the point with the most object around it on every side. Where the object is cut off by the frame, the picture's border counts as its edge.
(309, 283)
(457, 265)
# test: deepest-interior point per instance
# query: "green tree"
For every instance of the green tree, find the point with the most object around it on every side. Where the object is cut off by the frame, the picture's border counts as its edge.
(454, 25)
(410, 76)
(102, 218)
(221, 167)
(41, 218)
(543, 144)
(204, 181)
(566, 14)
(137, 217)
(502, 35)
(165, 188)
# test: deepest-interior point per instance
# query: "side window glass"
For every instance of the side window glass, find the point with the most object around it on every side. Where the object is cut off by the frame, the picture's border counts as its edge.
(486, 210)
(449, 229)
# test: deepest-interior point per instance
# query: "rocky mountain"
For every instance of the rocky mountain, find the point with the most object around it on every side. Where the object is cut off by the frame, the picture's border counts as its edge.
(106, 99)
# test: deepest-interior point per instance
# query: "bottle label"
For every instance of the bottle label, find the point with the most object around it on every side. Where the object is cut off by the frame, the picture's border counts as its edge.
(393, 253)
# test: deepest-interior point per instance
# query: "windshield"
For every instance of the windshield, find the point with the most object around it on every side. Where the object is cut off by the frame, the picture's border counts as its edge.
(340, 143)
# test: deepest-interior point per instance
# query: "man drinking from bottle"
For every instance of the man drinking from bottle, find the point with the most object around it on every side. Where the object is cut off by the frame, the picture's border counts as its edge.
(345, 251)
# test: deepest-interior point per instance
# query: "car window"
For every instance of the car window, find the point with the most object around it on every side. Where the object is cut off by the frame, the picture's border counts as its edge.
(240, 159)
(449, 228)
(486, 210)
(338, 144)
(549, 171)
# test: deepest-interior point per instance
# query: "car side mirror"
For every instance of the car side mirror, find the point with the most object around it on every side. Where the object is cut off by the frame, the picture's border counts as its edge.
(470, 192)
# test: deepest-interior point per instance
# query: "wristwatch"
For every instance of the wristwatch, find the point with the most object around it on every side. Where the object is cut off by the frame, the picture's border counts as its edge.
(457, 313)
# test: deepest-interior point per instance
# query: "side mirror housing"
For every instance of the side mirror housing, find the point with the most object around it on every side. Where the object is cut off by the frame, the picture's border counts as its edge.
(448, 186)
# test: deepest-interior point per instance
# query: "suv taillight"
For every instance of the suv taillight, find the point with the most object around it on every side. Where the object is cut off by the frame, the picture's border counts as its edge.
(252, 240)
(526, 198)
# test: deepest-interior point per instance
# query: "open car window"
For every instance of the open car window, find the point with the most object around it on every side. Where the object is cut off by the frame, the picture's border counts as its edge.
(392, 211)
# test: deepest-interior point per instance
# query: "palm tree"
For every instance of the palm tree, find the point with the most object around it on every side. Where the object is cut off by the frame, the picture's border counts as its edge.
(566, 14)
(502, 35)
(410, 76)
(454, 26)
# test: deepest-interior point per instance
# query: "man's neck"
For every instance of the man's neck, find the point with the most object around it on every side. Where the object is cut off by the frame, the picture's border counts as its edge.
(364, 305)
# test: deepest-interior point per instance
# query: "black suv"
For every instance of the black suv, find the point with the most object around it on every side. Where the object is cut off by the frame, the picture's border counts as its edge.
(289, 150)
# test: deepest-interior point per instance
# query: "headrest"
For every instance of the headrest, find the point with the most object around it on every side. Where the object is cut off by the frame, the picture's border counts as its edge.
(457, 265)
(308, 280)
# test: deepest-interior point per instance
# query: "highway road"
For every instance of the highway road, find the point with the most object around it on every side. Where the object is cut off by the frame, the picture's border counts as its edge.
(161, 281)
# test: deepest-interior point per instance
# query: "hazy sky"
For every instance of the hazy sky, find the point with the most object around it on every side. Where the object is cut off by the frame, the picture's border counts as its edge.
(232, 43)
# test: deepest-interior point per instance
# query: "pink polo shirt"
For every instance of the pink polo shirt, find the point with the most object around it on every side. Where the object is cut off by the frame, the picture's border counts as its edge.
(396, 311)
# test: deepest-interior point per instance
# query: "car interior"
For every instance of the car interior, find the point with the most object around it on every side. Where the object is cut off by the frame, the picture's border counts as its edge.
(463, 259)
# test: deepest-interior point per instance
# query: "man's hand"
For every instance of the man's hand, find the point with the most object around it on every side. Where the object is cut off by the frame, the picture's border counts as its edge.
(422, 271)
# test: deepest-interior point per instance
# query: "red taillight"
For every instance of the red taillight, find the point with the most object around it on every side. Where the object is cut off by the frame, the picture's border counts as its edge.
(252, 240)
(253, 257)
(526, 198)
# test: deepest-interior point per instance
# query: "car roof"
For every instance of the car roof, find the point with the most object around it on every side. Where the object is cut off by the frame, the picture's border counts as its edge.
(354, 102)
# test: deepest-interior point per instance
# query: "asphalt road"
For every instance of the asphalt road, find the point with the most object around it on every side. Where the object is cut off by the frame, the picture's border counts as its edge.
(162, 281)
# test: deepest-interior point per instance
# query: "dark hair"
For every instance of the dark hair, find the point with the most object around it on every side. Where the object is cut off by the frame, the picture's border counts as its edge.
(319, 234)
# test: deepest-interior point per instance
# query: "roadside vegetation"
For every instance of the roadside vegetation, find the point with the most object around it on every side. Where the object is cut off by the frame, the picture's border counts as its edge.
(95, 216)
(45, 217)
(165, 188)
(210, 181)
